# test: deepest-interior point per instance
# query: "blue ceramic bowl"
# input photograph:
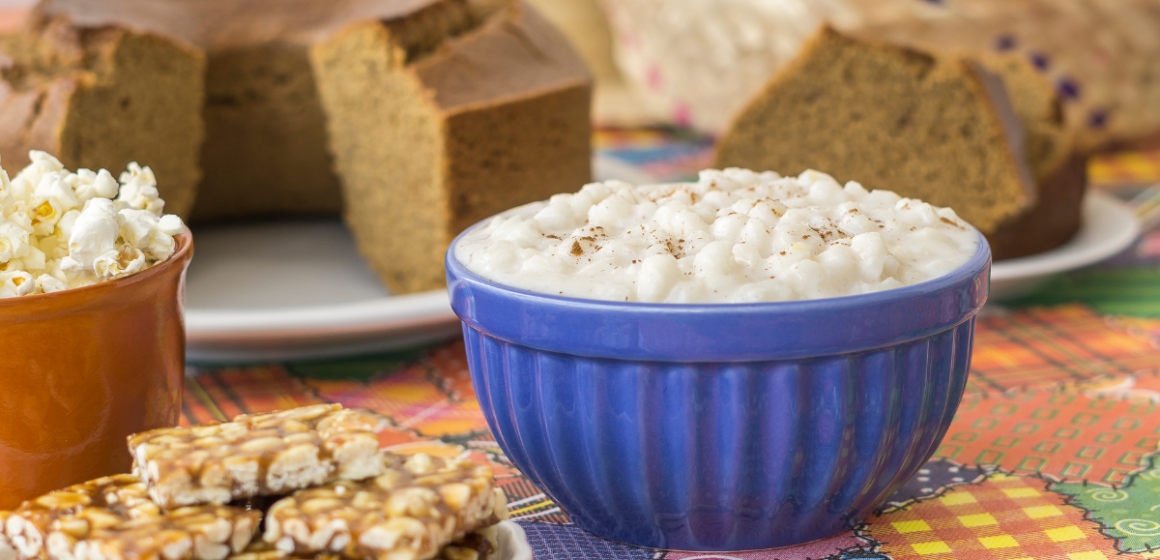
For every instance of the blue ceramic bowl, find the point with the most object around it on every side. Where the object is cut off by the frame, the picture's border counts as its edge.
(720, 427)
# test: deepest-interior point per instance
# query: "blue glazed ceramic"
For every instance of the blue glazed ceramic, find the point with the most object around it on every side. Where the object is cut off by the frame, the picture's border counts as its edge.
(720, 427)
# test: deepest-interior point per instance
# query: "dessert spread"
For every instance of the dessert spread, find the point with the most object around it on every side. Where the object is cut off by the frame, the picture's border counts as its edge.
(733, 236)
(336, 498)
(60, 229)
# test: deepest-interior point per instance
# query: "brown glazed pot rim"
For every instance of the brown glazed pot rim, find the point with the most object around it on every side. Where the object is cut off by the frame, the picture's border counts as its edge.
(184, 248)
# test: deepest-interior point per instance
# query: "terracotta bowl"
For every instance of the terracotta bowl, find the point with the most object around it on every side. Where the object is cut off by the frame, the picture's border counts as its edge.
(82, 369)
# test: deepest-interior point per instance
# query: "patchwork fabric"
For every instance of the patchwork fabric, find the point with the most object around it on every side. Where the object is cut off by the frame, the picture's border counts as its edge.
(1148, 328)
(1125, 167)
(1002, 517)
(411, 398)
(833, 547)
(1119, 290)
(218, 395)
(1130, 513)
(1062, 435)
(1044, 346)
(934, 479)
(568, 542)
(1141, 387)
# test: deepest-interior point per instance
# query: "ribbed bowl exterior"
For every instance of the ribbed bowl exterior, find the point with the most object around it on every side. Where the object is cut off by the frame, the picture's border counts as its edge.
(720, 456)
(720, 427)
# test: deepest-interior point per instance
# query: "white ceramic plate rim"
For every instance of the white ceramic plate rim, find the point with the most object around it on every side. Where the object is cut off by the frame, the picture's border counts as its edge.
(1111, 221)
(395, 314)
(1108, 227)
(513, 542)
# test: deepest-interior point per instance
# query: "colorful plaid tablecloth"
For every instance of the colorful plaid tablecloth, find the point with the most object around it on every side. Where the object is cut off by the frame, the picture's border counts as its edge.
(1053, 453)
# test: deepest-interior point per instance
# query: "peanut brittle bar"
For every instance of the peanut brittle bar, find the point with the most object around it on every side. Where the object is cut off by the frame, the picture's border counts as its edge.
(49, 524)
(257, 455)
(259, 550)
(189, 533)
(481, 544)
(410, 512)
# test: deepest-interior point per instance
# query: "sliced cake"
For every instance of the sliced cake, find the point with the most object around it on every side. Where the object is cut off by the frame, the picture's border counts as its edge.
(265, 149)
(941, 128)
(102, 97)
(444, 116)
(1057, 164)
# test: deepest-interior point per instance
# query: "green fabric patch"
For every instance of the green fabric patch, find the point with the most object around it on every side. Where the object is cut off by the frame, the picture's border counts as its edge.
(1130, 514)
(1122, 291)
(362, 367)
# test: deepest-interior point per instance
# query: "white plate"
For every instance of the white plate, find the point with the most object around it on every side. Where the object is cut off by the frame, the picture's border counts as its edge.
(297, 290)
(1108, 227)
(513, 542)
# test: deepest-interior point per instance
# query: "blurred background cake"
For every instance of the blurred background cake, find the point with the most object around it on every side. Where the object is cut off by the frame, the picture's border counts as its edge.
(703, 59)
(101, 97)
(942, 128)
(1078, 73)
(414, 118)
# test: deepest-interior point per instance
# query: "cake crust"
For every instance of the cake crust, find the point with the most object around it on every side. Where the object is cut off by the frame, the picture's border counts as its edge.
(68, 89)
(1049, 147)
(954, 133)
(892, 118)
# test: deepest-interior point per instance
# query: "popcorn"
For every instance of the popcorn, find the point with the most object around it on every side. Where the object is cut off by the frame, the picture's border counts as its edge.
(35, 260)
(94, 234)
(89, 185)
(139, 190)
(170, 225)
(13, 241)
(61, 230)
(48, 284)
(29, 177)
(52, 198)
(16, 283)
(119, 263)
(143, 230)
